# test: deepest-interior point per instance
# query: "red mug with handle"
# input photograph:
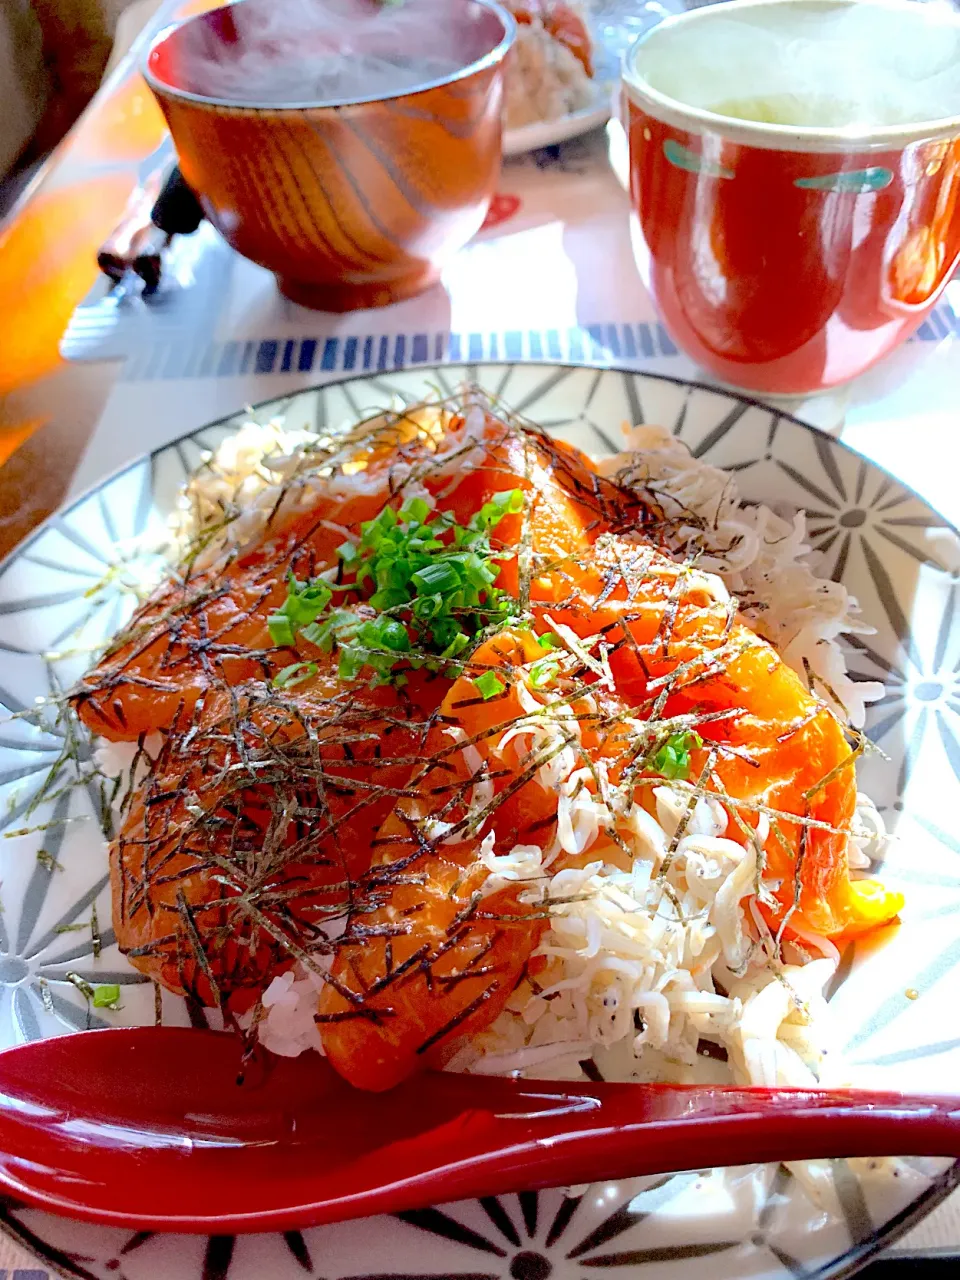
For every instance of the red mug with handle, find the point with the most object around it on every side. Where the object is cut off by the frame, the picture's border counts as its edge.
(787, 257)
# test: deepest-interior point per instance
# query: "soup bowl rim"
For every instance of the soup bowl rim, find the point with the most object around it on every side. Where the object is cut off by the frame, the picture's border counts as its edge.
(164, 89)
(780, 137)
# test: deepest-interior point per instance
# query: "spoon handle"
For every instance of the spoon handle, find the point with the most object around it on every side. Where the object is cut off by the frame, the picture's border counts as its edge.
(554, 1134)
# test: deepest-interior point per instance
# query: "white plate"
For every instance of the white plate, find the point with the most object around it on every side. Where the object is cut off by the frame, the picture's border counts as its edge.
(877, 537)
(547, 133)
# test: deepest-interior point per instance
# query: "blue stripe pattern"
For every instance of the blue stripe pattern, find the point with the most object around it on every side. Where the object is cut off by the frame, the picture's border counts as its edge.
(599, 344)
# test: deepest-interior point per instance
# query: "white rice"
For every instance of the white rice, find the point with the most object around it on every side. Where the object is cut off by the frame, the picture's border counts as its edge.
(117, 759)
(644, 965)
(230, 497)
(264, 470)
(544, 80)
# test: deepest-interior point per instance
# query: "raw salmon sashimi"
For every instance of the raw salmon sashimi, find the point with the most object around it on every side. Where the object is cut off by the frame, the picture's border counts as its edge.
(379, 689)
(250, 829)
(675, 648)
(677, 644)
(207, 623)
(427, 956)
(448, 956)
(198, 661)
(434, 948)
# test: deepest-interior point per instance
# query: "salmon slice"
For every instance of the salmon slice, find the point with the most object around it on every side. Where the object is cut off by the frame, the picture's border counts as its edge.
(427, 958)
(777, 748)
(209, 627)
(560, 21)
(205, 634)
(250, 828)
(430, 957)
(206, 626)
(785, 751)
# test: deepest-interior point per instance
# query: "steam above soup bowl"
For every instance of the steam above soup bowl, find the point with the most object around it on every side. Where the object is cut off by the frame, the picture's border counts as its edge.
(349, 146)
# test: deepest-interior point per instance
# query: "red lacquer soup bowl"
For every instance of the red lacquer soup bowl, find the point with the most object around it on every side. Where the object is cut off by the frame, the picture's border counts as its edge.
(349, 146)
(787, 258)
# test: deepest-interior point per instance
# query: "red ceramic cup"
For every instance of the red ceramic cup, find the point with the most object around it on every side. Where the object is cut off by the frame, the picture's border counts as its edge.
(786, 259)
(353, 200)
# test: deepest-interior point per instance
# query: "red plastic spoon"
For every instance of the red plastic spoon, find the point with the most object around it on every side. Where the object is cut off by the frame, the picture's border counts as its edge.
(147, 1128)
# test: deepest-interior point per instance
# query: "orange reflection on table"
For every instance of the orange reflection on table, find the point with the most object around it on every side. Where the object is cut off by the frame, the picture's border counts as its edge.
(47, 264)
(48, 247)
(123, 125)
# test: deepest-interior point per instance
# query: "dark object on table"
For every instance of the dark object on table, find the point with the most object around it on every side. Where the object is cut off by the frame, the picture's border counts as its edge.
(177, 210)
(933, 1265)
(161, 207)
(129, 238)
(147, 247)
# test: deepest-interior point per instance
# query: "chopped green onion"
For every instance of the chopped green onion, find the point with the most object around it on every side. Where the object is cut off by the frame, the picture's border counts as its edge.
(429, 579)
(544, 672)
(391, 634)
(340, 625)
(478, 572)
(281, 630)
(317, 633)
(415, 509)
(305, 601)
(548, 641)
(106, 995)
(352, 662)
(444, 632)
(672, 761)
(489, 685)
(437, 578)
(426, 607)
(295, 674)
(457, 645)
(389, 598)
(510, 502)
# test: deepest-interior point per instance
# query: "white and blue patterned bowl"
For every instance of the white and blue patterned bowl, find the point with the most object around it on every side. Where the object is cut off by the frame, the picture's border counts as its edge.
(896, 555)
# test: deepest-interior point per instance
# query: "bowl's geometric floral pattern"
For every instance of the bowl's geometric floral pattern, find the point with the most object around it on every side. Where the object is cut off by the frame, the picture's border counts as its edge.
(64, 590)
